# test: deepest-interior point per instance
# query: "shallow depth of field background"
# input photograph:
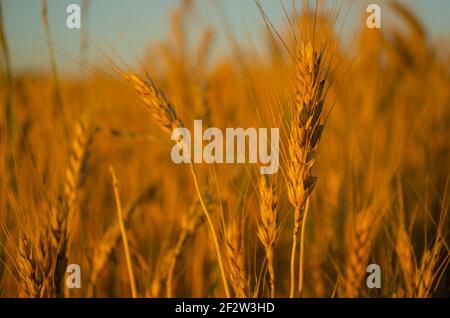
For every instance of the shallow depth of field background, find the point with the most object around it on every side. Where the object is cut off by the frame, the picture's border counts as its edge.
(384, 150)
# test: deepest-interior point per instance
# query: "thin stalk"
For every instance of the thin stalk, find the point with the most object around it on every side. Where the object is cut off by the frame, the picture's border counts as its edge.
(294, 250)
(271, 273)
(124, 233)
(10, 117)
(302, 249)
(175, 253)
(213, 231)
(57, 92)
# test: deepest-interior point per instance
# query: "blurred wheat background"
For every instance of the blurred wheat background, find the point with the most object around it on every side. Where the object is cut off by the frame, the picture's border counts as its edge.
(86, 175)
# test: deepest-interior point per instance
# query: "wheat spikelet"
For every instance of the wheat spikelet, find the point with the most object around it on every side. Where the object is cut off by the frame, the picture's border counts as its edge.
(406, 259)
(160, 109)
(268, 226)
(30, 276)
(234, 246)
(431, 266)
(102, 254)
(42, 264)
(189, 223)
(359, 244)
(52, 264)
(57, 241)
(74, 166)
(305, 134)
(57, 231)
(435, 259)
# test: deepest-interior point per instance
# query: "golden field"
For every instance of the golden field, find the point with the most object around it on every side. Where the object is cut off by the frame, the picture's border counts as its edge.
(87, 178)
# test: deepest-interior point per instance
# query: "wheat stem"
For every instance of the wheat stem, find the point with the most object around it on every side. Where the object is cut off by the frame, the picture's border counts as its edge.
(302, 249)
(123, 232)
(173, 260)
(213, 231)
(294, 250)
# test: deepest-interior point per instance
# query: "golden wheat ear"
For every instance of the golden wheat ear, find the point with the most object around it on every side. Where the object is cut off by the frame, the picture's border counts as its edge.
(28, 270)
(268, 225)
(234, 246)
(162, 112)
(305, 132)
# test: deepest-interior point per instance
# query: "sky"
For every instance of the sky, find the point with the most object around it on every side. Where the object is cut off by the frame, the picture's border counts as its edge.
(129, 26)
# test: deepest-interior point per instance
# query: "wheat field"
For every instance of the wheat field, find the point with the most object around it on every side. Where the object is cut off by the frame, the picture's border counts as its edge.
(86, 175)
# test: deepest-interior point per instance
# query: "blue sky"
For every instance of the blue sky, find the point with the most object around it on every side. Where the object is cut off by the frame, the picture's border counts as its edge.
(129, 26)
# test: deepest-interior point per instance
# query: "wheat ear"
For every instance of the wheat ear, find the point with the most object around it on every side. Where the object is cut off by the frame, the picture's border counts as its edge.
(60, 218)
(406, 258)
(236, 259)
(30, 275)
(305, 134)
(73, 169)
(268, 226)
(359, 242)
(433, 263)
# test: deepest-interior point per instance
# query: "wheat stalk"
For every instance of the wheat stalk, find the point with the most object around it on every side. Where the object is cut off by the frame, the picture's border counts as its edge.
(305, 134)
(9, 107)
(123, 232)
(268, 226)
(104, 249)
(57, 90)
